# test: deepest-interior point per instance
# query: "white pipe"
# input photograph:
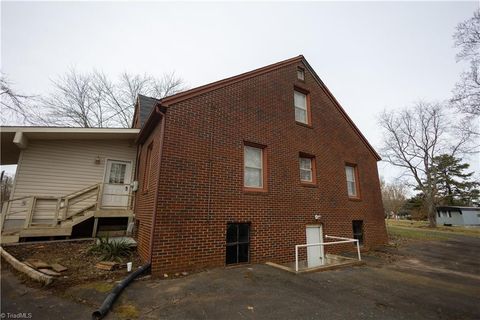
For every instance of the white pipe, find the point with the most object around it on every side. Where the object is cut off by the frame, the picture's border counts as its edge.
(296, 258)
(341, 238)
(323, 244)
(358, 251)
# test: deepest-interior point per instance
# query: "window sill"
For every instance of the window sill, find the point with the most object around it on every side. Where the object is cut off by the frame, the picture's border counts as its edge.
(255, 190)
(306, 125)
(354, 199)
(236, 265)
(308, 184)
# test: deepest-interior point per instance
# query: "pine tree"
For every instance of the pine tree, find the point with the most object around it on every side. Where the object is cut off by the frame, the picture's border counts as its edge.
(455, 186)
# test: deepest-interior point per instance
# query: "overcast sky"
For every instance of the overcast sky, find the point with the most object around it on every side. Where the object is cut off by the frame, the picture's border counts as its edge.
(371, 55)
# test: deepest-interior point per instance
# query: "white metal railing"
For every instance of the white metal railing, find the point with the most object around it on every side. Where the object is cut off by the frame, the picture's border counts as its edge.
(323, 244)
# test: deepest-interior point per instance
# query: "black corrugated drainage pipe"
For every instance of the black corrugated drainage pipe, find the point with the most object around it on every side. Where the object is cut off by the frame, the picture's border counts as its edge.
(113, 295)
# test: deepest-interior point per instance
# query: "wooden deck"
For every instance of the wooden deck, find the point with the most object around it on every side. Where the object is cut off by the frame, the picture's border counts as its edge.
(37, 216)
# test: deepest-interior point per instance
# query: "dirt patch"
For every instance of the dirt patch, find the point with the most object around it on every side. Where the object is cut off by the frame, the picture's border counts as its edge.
(126, 310)
(75, 256)
(385, 255)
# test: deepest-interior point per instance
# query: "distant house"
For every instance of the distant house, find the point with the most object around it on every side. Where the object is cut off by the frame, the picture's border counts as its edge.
(458, 216)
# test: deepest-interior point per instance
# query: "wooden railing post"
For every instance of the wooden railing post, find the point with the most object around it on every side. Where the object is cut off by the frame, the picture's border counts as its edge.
(5, 206)
(57, 212)
(65, 209)
(29, 215)
(99, 196)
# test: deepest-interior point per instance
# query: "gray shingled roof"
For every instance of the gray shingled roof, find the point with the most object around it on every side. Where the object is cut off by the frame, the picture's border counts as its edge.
(146, 104)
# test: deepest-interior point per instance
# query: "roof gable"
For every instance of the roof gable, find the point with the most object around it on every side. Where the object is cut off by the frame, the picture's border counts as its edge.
(176, 98)
(227, 81)
(143, 108)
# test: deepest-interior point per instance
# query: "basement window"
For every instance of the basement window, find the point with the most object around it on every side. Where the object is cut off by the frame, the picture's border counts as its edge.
(238, 243)
(357, 226)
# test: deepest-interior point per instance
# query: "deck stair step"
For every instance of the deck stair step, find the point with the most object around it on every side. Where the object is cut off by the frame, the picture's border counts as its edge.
(12, 238)
(70, 210)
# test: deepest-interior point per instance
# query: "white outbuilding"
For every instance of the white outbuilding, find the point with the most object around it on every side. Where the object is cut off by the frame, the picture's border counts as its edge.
(458, 216)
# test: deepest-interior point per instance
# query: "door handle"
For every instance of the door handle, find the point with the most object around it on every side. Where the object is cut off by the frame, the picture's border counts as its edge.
(126, 188)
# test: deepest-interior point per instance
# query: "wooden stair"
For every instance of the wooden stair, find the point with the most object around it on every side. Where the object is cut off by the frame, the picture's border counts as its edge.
(63, 228)
(67, 212)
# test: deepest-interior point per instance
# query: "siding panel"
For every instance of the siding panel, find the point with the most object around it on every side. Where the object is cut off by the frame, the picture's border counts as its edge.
(60, 167)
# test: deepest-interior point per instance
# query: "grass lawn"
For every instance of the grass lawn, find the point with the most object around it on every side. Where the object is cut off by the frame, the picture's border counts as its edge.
(420, 230)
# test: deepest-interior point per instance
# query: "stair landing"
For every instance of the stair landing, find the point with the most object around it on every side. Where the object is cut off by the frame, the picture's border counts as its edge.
(62, 228)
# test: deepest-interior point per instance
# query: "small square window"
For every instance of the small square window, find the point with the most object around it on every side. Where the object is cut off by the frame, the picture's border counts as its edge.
(301, 74)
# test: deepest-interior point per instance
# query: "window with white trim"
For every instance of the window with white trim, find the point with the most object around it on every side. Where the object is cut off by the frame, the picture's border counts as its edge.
(301, 111)
(253, 167)
(306, 170)
(351, 181)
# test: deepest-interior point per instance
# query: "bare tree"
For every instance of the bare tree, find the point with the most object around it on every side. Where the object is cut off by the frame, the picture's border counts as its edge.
(394, 196)
(94, 100)
(467, 37)
(76, 101)
(167, 85)
(466, 94)
(413, 137)
(14, 105)
(121, 96)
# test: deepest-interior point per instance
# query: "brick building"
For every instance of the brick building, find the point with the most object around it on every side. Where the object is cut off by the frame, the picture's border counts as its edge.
(236, 170)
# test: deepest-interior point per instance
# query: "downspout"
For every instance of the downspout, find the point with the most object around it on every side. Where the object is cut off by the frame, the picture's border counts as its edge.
(155, 201)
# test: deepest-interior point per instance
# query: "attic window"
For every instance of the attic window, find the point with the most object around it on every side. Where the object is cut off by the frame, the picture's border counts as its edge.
(301, 100)
(301, 74)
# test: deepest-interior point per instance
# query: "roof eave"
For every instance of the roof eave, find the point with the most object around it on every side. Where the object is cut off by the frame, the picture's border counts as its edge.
(227, 81)
(155, 115)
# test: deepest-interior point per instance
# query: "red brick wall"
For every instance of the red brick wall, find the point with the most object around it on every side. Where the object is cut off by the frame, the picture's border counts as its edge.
(201, 174)
(144, 199)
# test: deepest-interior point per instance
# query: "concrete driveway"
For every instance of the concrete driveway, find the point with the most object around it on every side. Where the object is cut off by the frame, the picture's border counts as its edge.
(426, 280)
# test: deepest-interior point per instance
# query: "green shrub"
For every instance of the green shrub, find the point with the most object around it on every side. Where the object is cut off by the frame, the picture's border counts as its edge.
(111, 250)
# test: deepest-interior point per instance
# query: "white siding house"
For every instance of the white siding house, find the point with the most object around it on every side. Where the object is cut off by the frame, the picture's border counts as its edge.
(458, 216)
(65, 174)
